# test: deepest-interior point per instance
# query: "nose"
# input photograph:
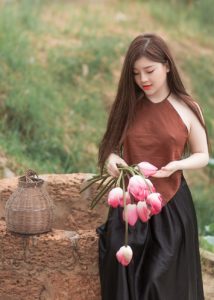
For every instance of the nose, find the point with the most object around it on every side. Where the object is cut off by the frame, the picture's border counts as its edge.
(143, 77)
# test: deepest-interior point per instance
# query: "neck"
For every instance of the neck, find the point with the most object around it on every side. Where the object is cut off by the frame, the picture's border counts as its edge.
(164, 95)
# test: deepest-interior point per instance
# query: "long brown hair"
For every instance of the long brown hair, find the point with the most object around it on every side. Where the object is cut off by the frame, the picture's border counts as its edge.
(122, 112)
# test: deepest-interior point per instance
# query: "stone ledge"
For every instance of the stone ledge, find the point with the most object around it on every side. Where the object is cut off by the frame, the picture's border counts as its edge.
(55, 265)
(207, 259)
(56, 286)
(58, 250)
(71, 209)
(61, 264)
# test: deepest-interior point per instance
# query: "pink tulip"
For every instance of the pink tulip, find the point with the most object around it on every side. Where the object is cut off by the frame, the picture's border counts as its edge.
(147, 169)
(124, 255)
(128, 199)
(152, 188)
(143, 211)
(155, 201)
(137, 187)
(132, 215)
(115, 197)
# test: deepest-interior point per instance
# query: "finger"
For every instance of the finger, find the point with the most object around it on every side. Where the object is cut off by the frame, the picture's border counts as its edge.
(109, 170)
(111, 173)
(155, 175)
(114, 171)
(159, 174)
(124, 162)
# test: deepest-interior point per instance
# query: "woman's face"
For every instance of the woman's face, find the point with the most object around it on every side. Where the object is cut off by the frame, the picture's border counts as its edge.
(151, 77)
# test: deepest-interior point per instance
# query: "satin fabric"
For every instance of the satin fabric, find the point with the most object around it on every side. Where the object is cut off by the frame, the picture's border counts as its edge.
(166, 260)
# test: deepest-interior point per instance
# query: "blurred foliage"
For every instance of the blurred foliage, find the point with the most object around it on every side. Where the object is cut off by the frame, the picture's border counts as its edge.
(203, 201)
(204, 244)
(200, 71)
(183, 14)
(52, 108)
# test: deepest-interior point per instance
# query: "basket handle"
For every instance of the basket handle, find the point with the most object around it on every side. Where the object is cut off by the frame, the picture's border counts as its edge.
(29, 174)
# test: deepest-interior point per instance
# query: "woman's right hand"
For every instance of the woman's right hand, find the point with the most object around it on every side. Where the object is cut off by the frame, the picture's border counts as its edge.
(111, 164)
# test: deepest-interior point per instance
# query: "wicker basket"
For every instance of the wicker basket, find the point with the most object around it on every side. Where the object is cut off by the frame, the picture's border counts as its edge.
(29, 210)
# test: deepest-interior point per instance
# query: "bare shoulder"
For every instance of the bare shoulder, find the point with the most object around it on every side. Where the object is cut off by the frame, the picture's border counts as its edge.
(180, 104)
(187, 115)
(199, 108)
(183, 110)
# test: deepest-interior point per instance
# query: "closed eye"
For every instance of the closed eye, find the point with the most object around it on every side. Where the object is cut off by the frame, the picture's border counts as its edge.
(135, 74)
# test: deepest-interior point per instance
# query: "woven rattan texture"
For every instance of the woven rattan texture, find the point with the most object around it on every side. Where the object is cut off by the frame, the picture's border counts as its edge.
(29, 210)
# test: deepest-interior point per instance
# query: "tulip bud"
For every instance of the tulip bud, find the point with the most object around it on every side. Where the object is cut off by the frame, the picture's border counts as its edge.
(124, 255)
(143, 211)
(132, 216)
(147, 169)
(127, 198)
(152, 188)
(137, 187)
(155, 201)
(115, 197)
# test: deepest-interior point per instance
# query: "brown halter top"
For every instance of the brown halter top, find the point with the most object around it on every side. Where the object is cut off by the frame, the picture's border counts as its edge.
(157, 135)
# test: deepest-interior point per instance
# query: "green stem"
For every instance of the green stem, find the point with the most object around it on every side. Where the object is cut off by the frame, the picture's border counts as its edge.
(119, 178)
(90, 183)
(101, 195)
(103, 180)
(95, 177)
(139, 173)
(102, 192)
(127, 175)
(125, 212)
(127, 168)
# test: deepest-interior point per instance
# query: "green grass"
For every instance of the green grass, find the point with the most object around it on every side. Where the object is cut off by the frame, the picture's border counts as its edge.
(199, 70)
(205, 245)
(202, 195)
(53, 113)
(181, 18)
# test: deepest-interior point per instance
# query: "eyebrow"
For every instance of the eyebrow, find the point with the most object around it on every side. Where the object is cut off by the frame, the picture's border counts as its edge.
(146, 67)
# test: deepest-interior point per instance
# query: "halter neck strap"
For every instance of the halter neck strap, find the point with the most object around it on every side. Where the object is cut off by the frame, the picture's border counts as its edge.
(161, 100)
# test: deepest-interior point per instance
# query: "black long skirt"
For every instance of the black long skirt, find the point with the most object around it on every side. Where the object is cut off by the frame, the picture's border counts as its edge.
(166, 260)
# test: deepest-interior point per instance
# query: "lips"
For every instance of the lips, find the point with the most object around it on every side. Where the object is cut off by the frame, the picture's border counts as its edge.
(147, 87)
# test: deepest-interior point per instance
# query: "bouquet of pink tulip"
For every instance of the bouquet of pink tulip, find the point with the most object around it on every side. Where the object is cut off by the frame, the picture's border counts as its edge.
(140, 201)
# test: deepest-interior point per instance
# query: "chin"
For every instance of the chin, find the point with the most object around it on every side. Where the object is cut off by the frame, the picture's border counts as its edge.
(150, 93)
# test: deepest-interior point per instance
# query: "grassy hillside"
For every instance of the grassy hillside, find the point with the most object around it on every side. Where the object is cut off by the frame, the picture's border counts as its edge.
(59, 67)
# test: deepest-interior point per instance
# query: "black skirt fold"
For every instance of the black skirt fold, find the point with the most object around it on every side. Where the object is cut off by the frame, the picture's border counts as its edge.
(166, 260)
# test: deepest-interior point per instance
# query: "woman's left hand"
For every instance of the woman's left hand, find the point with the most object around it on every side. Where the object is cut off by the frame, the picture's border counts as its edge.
(167, 170)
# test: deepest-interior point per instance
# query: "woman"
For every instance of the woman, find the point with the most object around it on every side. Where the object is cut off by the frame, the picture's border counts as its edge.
(154, 119)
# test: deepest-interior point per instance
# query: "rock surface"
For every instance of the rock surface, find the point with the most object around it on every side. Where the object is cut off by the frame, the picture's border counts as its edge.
(61, 264)
(54, 266)
(71, 209)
